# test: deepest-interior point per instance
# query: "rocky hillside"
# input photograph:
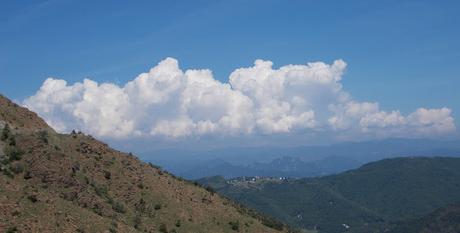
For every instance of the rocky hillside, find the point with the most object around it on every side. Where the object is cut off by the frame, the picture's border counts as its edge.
(52, 182)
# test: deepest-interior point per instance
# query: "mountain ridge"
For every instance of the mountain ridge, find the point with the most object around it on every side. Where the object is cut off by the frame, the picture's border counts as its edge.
(314, 160)
(73, 183)
(372, 198)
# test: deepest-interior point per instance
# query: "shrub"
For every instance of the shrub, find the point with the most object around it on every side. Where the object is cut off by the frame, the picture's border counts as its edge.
(17, 168)
(32, 198)
(5, 132)
(12, 230)
(43, 136)
(210, 189)
(178, 223)
(100, 190)
(157, 206)
(140, 206)
(154, 166)
(5, 161)
(163, 228)
(137, 221)
(114, 226)
(272, 223)
(14, 154)
(107, 175)
(8, 173)
(235, 225)
(12, 140)
(27, 175)
(16, 213)
(118, 207)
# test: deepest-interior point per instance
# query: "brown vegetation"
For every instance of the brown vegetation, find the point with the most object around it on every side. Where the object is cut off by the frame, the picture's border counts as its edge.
(54, 182)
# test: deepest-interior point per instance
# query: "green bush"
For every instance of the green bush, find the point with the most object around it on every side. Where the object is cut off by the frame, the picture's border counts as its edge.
(14, 154)
(11, 230)
(118, 207)
(137, 221)
(5, 161)
(154, 166)
(113, 227)
(210, 189)
(43, 136)
(5, 132)
(163, 228)
(8, 173)
(100, 190)
(272, 223)
(33, 198)
(107, 175)
(235, 225)
(12, 141)
(27, 175)
(17, 168)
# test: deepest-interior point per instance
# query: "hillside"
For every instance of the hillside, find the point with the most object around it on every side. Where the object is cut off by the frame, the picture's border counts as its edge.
(54, 182)
(369, 199)
(445, 220)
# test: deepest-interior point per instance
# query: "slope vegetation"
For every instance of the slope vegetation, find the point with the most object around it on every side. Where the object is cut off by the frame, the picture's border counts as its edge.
(443, 220)
(54, 182)
(369, 199)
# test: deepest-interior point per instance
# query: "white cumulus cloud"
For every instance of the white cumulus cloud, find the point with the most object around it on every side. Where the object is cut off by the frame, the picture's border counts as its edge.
(170, 102)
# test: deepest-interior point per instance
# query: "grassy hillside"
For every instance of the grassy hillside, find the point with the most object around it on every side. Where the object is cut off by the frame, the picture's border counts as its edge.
(443, 220)
(368, 199)
(52, 182)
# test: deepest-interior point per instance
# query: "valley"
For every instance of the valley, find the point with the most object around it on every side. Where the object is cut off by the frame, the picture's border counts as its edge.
(372, 198)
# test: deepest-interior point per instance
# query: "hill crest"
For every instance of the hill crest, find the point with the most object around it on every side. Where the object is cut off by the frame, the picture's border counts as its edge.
(74, 183)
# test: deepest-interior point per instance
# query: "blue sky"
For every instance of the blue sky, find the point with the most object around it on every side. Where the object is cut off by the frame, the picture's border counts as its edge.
(402, 54)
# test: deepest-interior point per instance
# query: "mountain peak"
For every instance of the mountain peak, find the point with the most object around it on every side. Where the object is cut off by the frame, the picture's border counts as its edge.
(18, 117)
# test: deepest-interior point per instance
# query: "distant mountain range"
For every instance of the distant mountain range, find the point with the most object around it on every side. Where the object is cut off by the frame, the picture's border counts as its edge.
(282, 167)
(388, 195)
(297, 162)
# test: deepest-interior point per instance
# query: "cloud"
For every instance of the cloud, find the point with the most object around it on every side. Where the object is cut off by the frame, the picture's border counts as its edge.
(261, 100)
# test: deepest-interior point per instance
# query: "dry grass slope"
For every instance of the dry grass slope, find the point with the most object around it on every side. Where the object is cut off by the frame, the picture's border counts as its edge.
(54, 182)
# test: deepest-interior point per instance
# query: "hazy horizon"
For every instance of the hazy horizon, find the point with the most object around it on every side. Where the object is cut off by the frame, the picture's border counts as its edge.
(222, 74)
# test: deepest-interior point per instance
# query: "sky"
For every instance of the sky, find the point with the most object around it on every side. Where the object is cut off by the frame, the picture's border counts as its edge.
(287, 72)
